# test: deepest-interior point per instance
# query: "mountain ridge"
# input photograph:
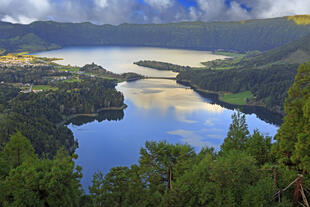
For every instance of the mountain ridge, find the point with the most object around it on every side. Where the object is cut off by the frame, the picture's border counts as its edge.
(241, 36)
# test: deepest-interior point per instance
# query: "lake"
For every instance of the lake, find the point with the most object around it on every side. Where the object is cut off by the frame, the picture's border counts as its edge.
(157, 109)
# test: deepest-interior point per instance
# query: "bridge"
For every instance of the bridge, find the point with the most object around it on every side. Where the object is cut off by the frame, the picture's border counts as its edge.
(139, 78)
(167, 78)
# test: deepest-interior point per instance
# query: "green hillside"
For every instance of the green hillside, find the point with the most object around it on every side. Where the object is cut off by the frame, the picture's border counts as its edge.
(264, 34)
(267, 75)
(296, 52)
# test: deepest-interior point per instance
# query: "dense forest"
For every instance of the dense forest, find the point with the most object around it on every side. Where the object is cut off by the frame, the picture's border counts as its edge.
(162, 65)
(248, 170)
(267, 75)
(37, 165)
(39, 97)
(263, 34)
(38, 115)
(39, 75)
(269, 85)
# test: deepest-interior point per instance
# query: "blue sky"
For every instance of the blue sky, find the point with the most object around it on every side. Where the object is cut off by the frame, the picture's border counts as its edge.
(147, 11)
(188, 3)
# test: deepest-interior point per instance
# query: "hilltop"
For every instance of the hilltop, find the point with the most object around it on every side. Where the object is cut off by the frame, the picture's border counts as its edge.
(296, 52)
(265, 77)
(300, 19)
(242, 36)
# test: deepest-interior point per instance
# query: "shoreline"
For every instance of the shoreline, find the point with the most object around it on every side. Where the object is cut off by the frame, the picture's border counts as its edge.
(217, 93)
(246, 108)
(70, 117)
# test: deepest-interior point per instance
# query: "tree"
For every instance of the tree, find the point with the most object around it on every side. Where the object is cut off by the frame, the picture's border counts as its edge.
(195, 187)
(259, 147)
(97, 191)
(136, 195)
(258, 194)
(112, 189)
(232, 174)
(161, 163)
(42, 182)
(237, 135)
(17, 150)
(293, 147)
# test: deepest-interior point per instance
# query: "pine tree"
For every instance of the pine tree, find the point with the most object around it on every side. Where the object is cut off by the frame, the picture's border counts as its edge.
(17, 150)
(237, 135)
(294, 134)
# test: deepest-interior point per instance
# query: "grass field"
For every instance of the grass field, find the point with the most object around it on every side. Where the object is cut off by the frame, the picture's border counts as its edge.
(68, 68)
(300, 19)
(225, 64)
(72, 80)
(236, 98)
(230, 54)
(44, 88)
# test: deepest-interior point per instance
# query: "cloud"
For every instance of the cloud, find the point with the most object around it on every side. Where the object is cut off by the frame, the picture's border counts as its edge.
(215, 10)
(275, 8)
(24, 12)
(191, 138)
(102, 3)
(198, 138)
(18, 19)
(146, 11)
(160, 4)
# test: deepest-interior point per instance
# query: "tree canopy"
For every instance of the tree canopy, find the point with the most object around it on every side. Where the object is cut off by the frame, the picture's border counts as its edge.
(294, 134)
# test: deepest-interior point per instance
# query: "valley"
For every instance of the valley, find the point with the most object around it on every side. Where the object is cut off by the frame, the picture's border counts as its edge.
(169, 114)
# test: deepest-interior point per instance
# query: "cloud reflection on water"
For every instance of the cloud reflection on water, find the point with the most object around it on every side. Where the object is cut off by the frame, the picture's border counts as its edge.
(167, 96)
(164, 95)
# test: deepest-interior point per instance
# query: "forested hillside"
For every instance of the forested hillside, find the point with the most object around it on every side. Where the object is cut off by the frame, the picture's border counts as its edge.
(248, 170)
(269, 85)
(38, 115)
(268, 75)
(38, 97)
(296, 52)
(242, 36)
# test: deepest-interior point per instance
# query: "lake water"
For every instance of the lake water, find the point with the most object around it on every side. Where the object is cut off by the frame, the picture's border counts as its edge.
(121, 59)
(157, 109)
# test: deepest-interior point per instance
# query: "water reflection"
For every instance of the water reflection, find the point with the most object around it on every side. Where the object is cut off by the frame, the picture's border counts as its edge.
(121, 59)
(157, 109)
(167, 95)
(261, 112)
(102, 116)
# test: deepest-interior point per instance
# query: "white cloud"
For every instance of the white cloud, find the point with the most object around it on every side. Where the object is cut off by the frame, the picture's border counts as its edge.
(191, 138)
(198, 138)
(40, 5)
(24, 12)
(160, 4)
(101, 3)
(19, 19)
(213, 10)
(275, 8)
(151, 11)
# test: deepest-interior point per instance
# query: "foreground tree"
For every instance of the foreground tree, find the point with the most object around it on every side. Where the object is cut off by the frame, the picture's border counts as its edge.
(259, 146)
(30, 181)
(162, 163)
(18, 150)
(237, 135)
(112, 189)
(293, 137)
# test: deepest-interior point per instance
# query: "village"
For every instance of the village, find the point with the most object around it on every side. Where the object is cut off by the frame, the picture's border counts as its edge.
(21, 60)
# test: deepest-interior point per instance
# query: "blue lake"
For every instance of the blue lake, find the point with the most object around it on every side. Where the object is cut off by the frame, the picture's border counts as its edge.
(157, 109)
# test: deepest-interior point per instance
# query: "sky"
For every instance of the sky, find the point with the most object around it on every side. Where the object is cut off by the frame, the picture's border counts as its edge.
(147, 11)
